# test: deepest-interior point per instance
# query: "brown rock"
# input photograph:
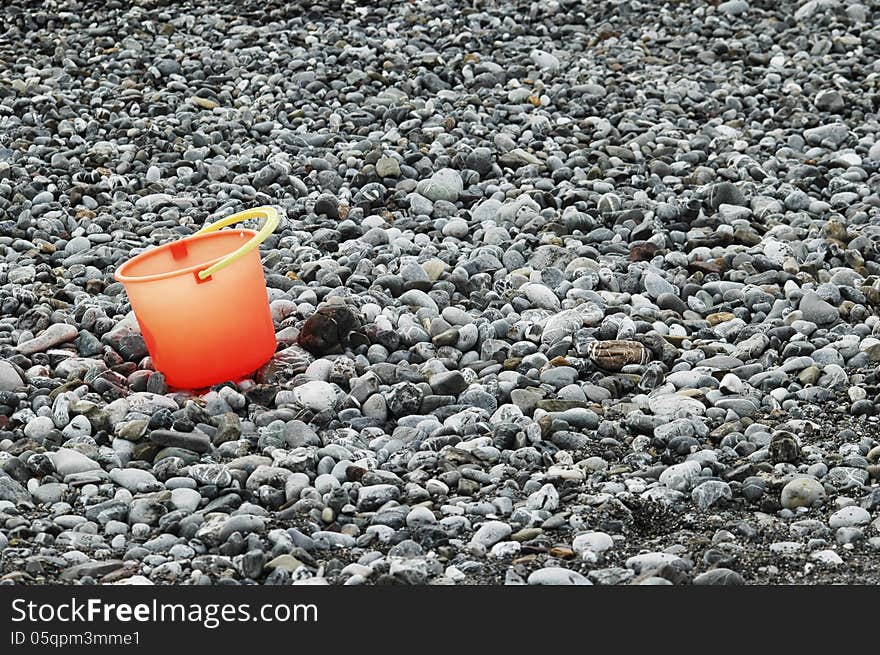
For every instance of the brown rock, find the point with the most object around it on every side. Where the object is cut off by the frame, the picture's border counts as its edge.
(614, 355)
(710, 266)
(643, 252)
(327, 330)
(835, 230)
(719, 317)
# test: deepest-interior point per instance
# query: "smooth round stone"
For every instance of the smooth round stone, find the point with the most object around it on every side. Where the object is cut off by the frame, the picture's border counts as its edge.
(135, 480)
(596, 542)
(651, 561)
(457, 228)
(317, 395)
(445, 184)
(559, 376)
(387, 167)
(801, 492)
(657, 286)
(372, 497)
(545, 60)
(419, 517)
(77, 245)
(557, 576)
(43, 198)
(185, 499)
(681, 477)
(540, 296)
(490, 533)
(180, 482)
(116, 527)
(242, 523)
(672, 302)
(325, 483)
(38, 427)
(719, 576)
(849, 517)
(827, 558)
(48, 493)
(79, 426)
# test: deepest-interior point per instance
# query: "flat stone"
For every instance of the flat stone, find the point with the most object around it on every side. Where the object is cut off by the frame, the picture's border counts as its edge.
(490, 533)
(55, 334)
(816, 310)
(801, 492)
(135, 480)
(558, 576)
(848, 517)
(719, 576)
(70, 462)
(196, 441)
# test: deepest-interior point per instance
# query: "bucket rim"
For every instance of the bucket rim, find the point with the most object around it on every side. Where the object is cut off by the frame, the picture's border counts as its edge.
(120, 275)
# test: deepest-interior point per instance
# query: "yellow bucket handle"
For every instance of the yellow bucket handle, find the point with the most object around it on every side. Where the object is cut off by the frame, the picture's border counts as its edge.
(270, 214)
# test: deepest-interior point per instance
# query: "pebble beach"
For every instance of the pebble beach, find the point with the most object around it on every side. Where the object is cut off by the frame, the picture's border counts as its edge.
(564, 292)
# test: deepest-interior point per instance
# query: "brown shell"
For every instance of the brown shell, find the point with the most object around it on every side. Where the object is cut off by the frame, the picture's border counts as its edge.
(614, 355)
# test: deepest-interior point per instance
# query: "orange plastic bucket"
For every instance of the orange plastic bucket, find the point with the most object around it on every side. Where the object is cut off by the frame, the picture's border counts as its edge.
(201, 302)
